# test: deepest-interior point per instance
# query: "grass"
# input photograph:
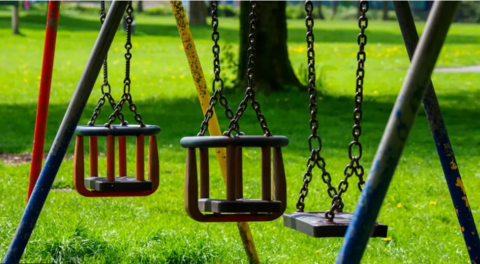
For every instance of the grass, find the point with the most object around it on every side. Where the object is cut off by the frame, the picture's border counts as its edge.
(156, 229)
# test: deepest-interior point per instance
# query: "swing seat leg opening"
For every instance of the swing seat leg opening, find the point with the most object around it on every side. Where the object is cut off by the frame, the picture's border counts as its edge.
(316, 225)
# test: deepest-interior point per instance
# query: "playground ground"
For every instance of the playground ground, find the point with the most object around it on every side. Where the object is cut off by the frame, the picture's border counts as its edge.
(156, 229)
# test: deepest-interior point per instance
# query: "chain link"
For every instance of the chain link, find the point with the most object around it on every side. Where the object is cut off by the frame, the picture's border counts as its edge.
(127, 97)
(355, 147)
(105, 94)
(217, 93)
(315, 159)
(250, 93)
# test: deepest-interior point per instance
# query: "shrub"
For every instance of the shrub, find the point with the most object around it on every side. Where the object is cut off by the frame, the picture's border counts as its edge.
(158, 11)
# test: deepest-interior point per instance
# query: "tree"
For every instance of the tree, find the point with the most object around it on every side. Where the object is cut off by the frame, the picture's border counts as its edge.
(273, 70)
(15, 20)
(320, 13)
(385, 10)
(197, 13)
(140, 6)
(334, 9)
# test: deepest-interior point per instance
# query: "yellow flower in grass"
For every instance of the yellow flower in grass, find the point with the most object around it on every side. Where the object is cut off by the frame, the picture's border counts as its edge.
(399, 205)
(387, 239)
(318, 251)
(433, 203)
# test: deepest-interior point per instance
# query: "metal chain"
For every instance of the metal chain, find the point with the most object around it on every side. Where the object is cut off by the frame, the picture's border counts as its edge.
(315, 158)
(355, 147)
(217, 93)
(127, 97)
(106, 84)
(250, 93)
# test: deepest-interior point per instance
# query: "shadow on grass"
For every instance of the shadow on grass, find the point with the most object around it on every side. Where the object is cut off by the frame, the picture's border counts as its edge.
(36, 21)
(286, 113)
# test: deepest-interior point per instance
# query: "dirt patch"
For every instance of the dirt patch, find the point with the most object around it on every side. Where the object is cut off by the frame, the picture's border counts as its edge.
(17, 159)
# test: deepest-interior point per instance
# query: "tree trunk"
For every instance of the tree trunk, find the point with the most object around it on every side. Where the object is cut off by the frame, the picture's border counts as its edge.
(273, 70)
(320, 13)
(385, 10)
(334, 9)
(197, 13)
(139, 6)
(15, 20)
(358, 9)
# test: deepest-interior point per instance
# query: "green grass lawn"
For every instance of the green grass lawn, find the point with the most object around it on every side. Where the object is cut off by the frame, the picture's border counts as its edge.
(155, 229)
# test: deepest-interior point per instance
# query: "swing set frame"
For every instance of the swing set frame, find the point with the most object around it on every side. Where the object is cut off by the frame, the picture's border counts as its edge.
(417, 86)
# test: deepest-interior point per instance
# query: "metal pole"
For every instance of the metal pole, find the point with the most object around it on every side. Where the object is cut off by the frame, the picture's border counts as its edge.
(65, 133)
(396, 133)
(214, 127)
(44, 94)
(442, 142)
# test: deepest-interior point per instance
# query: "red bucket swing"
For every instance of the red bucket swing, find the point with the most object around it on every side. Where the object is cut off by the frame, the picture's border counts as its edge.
(123, 185)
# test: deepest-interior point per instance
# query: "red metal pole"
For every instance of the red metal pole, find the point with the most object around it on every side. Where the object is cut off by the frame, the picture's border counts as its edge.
(44, 95)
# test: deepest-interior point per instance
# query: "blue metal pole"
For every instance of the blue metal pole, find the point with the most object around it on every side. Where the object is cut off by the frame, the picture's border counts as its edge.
(65, 133)
(442, 142)
(396, 133)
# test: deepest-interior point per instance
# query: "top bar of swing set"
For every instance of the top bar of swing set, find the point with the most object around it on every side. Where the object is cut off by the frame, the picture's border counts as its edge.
(214, 127)
(65, 133)
(44, 94)
(396, 133)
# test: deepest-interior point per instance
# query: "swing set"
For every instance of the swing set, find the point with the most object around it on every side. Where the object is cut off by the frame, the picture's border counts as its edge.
(356, 228)
(111, 186)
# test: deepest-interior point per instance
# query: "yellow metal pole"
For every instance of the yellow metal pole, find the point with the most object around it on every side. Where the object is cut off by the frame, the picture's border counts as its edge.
(204, 97)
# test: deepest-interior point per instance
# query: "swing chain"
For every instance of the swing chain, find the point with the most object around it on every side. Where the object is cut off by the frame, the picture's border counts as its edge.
(127, 97)
(217, 93)
(355, 147)
(315, 158)
(250, 93)
(106, 84)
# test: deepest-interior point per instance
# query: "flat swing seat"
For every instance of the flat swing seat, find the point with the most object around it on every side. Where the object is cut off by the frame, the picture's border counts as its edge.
(315, 224)
(121, 184)
(239, 206)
